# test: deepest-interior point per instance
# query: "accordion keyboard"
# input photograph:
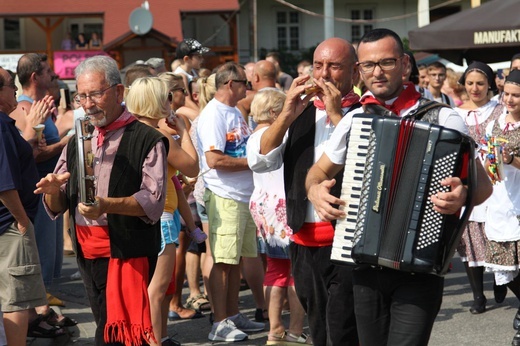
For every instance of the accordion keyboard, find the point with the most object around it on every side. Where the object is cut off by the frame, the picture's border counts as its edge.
(357, 152)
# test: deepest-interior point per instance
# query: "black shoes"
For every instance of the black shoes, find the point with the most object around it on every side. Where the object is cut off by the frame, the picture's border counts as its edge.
(500, 292)
(516, 339)
(516, 320)
(260, 315)
(170, 342)
(479, 305)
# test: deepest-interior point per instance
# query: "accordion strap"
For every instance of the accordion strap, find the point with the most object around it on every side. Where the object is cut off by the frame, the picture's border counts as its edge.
(424, 108)
(378, 110)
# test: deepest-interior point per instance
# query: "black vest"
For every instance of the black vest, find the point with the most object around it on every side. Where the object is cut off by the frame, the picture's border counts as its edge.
(298, 159)
(130, 237)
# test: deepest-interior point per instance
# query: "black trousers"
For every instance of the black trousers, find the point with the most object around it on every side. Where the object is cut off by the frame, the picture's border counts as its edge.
(394, 307)
(325, 291)
(94, 274)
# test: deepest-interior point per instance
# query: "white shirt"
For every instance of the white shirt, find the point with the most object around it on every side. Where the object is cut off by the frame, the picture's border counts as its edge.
(223, 128)
(503, 206)
(274, 159)
(267, 204)
(180, 70)
(475, 118)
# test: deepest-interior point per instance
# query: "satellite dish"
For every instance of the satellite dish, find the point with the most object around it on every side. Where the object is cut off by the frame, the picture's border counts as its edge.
(140, 21)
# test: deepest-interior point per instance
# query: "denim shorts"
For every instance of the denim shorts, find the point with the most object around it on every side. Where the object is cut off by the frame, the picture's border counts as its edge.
(201, 210)
(170, 228)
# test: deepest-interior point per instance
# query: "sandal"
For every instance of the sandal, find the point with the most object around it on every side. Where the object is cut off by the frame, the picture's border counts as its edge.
(52, 300)
(288, 339)
(198, 303)
(36, 330)
(53, 319)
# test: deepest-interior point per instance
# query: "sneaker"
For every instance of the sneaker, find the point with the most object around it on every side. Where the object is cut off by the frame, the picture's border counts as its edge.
(198, 235)
(226, 331)
(170, 342)
(245, 324)
(75, 276)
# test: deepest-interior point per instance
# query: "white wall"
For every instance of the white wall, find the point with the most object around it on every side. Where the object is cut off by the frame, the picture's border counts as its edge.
(312, 28)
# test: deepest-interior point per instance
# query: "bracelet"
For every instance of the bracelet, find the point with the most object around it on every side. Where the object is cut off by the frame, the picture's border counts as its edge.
(512, 158)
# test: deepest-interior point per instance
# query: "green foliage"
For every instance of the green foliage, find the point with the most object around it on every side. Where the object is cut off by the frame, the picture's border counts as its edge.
(406, 44)
(289, 59)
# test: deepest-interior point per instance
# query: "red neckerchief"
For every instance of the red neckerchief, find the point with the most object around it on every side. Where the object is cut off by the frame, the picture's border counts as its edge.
(112, 127)
(406, 99)
(346, 101)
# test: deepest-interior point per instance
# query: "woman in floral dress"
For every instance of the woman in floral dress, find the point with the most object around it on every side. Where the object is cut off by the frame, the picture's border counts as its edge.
(503, 213)
(478, 112)
(267, 207)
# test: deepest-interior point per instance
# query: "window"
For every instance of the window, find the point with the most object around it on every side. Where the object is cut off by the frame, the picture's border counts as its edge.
(85, 26)
(288, 30)
(12, 33)
(358, 30)
(89, 29)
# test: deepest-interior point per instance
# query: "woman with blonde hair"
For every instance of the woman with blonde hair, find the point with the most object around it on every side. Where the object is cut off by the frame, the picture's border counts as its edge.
(147, 99)
(453, 89)
(502, 222)
(180, 131)
(267, 207)
(196, 262)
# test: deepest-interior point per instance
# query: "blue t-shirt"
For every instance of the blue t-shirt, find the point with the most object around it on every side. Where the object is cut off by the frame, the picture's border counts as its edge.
(17, 169)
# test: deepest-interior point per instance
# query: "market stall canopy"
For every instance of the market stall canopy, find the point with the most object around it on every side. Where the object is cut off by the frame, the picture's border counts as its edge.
(488, 33)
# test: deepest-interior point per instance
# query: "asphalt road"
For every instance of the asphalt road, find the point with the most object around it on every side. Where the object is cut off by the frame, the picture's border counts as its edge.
(454, 324)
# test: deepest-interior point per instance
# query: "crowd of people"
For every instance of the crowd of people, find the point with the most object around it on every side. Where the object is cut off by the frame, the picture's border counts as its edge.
(234, 175)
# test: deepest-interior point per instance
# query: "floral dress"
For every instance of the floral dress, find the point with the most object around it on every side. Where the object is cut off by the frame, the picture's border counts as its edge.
(472, 246)
(503, 212)
(267, 206)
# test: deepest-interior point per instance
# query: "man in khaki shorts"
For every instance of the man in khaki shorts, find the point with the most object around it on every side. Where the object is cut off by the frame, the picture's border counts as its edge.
(21, 283)
(222, 135)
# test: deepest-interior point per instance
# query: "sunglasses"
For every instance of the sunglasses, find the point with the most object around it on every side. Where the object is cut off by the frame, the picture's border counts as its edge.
(247, 83)
(170, 94)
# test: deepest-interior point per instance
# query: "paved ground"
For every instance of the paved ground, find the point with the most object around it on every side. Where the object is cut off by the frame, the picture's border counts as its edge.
(454, 325)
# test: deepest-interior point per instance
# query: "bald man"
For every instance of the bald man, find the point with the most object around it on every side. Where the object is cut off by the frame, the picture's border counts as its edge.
(263, 76)
(297, 139)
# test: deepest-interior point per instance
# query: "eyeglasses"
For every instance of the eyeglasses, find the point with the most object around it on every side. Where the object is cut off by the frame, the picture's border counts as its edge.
(94, 96)
(384, 64)
(247, 83)
(170, 94)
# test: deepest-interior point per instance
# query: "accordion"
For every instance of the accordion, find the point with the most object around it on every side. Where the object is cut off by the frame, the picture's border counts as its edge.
(392, 168)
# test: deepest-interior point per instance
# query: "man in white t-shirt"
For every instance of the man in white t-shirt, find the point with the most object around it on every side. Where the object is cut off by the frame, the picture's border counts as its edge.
(392, 307)
(190, 52)
(222, 137)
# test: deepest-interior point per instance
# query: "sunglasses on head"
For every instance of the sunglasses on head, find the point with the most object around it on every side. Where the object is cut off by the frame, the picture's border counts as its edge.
(170, 94)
